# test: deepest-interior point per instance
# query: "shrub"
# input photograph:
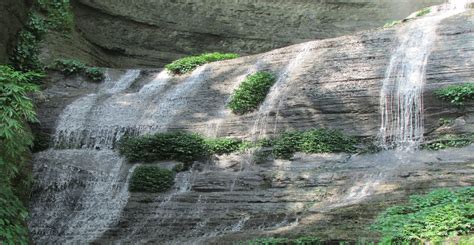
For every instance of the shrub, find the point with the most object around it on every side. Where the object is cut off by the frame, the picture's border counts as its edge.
(312, 141)
(221, 146)
(59, 14)
(252, 92)
(16, 110)
(431, 217)
(268, 241)
(177, 146)
(151, 179)
(71, 67)
(457, 94)
(188, 64)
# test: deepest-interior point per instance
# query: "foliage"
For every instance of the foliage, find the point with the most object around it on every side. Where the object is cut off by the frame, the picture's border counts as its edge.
(392, 23)
(59, 14)
(252, 92)
(221, 146)
(448, 141)
(432, 217)
(187, 64)
(312, 141)
(457, 94)
(445, 121)
(151, 179)
(71, 67)
(268, 241)
(177, 146)
(12, 218)
(423, 12)
(25, 53)
(308, 240)
(16, 109)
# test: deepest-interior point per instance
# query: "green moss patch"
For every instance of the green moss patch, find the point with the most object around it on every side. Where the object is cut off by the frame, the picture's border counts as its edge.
(187, 64)
(151, 179)
(252, 92)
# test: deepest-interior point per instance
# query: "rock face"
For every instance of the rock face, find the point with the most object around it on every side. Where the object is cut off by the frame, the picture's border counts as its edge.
(151, 33)
(13, 15)
(333, 83)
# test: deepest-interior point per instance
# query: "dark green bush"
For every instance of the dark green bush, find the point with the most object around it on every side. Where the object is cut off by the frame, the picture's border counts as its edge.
(457, 94)
(221, 146)
(188, 64)
(59, 14)
(448, 141)
(312, 141)
(432, 217)
(71, 67)
(16, 110)
(151, 179)
(252, 92)
(177, 146)
(268, 241)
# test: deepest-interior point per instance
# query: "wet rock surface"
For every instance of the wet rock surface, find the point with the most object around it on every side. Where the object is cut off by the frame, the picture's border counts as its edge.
(13, 14)
(152, 33)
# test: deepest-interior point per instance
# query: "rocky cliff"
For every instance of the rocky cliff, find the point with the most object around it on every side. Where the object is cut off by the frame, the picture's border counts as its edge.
(81, 194)
(152, 33)
(13, 15)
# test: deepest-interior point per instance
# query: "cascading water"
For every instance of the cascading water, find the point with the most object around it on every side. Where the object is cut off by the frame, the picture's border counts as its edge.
(401, 98)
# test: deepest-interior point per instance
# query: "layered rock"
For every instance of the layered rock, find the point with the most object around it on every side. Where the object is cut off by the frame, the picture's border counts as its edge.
(152, 33)
(13, 15)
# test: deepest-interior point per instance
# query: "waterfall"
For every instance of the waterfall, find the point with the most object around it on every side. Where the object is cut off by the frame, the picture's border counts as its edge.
(401, 98)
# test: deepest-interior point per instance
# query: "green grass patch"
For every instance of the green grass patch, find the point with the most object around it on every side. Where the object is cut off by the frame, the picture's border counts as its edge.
(457, 94)
(428, 218)
(71, 67)
(392, 23)
(187, 64)
(151, 179)
(312, 141)
(423, 12)
(252, 92)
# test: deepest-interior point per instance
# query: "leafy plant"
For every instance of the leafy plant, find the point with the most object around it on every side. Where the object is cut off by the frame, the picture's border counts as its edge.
(71, 67)
(252, 92)
(448, 141)
(16, 110)
(59, 14)
(312, 141)
(432, 217)
(392, 23)
(221, 146)
(151, 179)
(445, 121)
(177, 146)
(268, 241)
(457, 94)
(188, 64)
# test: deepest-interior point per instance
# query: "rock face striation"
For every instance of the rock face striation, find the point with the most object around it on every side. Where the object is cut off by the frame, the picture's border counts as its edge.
(147, 33)
(13, 15)
(334, 83)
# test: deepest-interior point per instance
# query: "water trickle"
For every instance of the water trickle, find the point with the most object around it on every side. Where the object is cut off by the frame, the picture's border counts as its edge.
(78, 194)
(401, 98)
(275, 97)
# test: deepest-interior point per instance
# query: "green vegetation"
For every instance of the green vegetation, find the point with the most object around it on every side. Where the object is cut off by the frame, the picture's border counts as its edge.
(429, 218)
(392, 23)
(222, 146)
(312, 141)
(16, 110)
(151, 179)
(185, 147)
(177, 146)
(45, 15)
(71, 67)
(449, 141)
(423, 12)
(457, 94)
(187, 64)
(252, 92)
(445, 121)
(306, 240)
